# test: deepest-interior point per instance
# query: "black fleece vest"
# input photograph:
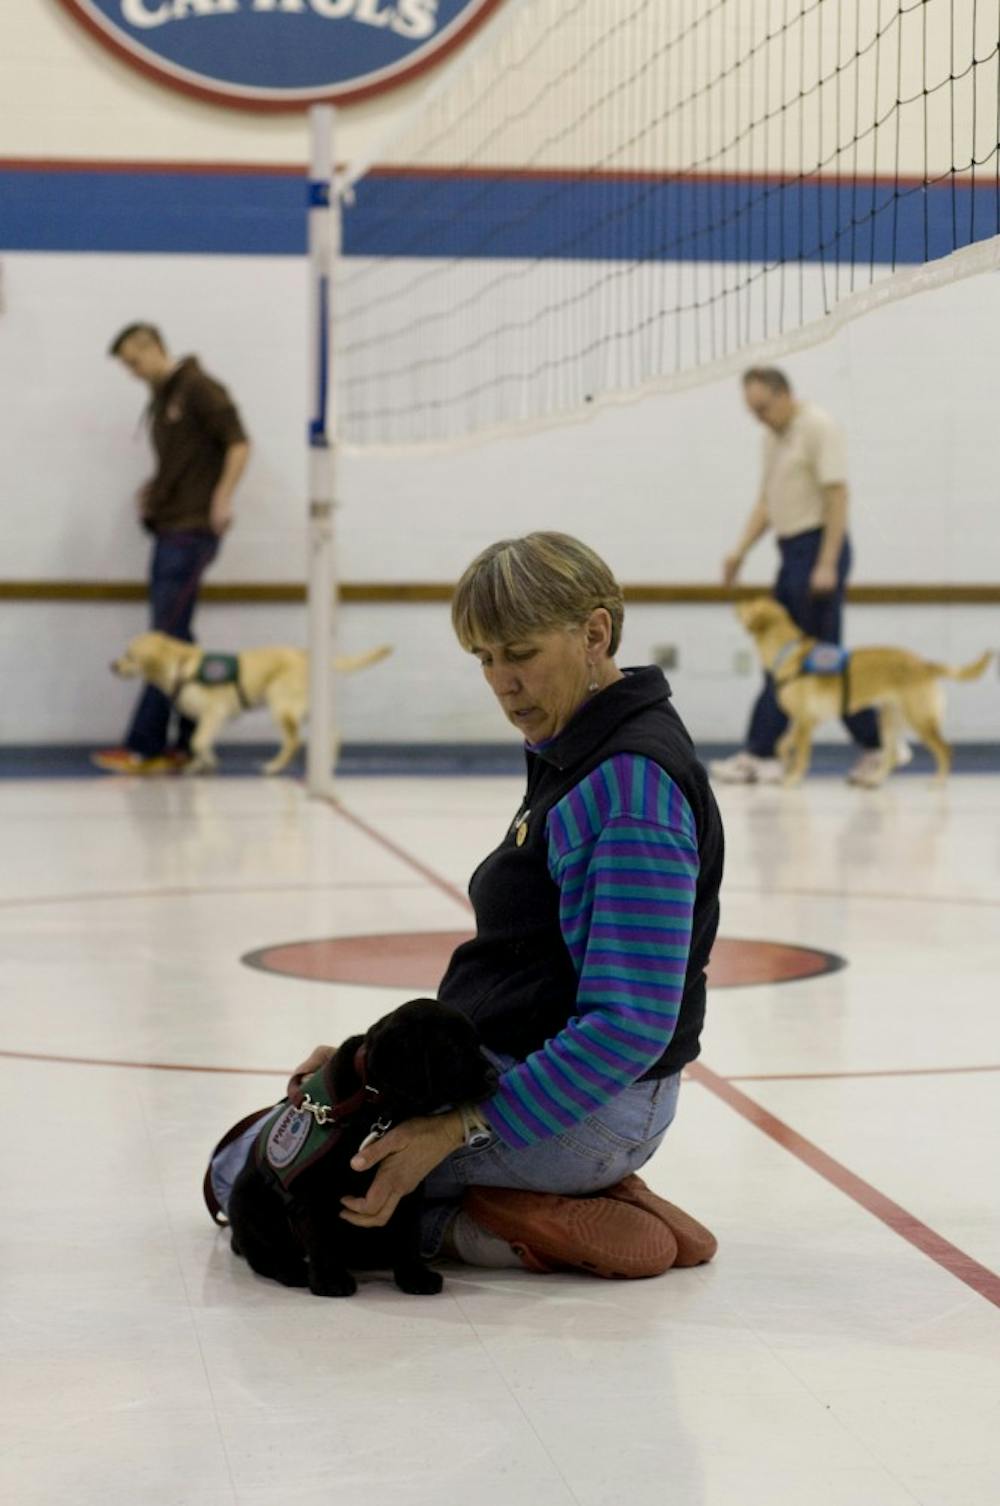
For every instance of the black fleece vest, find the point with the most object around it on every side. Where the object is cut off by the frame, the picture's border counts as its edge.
(516, 978)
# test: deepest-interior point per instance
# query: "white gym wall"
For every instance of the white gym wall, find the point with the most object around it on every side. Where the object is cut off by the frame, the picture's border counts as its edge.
(659, 486)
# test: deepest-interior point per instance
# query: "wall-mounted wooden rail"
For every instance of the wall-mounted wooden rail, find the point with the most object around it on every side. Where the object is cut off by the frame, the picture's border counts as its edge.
(265, 593)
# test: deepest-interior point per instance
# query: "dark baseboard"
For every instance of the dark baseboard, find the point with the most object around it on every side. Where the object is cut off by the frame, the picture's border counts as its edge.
(239, 760)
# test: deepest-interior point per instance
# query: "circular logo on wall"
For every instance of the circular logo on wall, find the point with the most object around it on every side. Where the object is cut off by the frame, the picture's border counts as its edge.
(281, 54)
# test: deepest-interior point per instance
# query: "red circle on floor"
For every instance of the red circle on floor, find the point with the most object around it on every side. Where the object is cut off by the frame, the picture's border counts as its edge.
(417, 960)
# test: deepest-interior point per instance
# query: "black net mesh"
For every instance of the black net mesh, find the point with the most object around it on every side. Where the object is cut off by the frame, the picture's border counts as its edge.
(616, 194)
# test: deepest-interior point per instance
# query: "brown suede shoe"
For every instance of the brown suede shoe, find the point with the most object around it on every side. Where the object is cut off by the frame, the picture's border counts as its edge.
(608, 1237)
(695, 1243)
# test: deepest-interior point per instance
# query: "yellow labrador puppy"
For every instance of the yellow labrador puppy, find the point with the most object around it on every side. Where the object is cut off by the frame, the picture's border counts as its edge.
(213, 688)
(814, 682)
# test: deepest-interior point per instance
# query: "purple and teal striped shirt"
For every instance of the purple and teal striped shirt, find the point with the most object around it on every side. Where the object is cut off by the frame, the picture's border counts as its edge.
(623, 849)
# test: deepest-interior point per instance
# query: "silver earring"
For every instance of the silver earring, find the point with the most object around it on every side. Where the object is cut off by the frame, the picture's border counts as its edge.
(593, 683)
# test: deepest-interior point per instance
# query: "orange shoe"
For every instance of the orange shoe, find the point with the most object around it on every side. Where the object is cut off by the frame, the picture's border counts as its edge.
(605, 1236)
(695, 1243)
(124, 761)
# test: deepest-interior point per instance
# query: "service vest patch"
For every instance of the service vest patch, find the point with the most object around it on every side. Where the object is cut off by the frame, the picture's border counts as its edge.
(825, 659)
(286, 1137)
(291, 1139)
(218, 669)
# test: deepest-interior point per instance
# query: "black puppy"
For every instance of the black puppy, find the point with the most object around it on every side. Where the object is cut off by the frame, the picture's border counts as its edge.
(285, 1205)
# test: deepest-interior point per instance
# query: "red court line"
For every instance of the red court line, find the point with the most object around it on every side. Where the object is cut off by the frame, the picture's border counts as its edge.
(982, 1280)
(106, 1061)
(979, 1277)
(452, 890)
(112, 896)
(398, 852)
(875, 1072)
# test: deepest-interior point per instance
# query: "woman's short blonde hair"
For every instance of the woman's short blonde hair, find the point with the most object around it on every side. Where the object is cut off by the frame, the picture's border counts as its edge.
(519, 587)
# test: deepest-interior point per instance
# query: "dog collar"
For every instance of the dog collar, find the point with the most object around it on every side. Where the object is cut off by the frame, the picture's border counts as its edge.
(330, 1112)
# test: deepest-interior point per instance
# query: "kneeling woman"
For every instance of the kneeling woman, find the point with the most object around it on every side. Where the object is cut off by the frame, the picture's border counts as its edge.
(595, 917)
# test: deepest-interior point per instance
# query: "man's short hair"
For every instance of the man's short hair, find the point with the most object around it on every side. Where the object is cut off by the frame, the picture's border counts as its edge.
(769, 377)
(141, 328)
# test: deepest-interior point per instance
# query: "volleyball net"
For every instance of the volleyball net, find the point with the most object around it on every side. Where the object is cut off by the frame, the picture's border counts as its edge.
(602, 198)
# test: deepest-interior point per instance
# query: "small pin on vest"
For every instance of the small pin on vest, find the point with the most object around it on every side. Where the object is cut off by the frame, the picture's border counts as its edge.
(521, 833)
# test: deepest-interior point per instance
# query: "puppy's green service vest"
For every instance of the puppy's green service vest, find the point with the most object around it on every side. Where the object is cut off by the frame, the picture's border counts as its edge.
(292, 1139)
(218, 669)
(215, 670)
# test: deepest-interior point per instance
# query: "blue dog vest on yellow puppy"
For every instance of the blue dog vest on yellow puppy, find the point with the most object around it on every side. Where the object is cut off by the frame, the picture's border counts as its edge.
(825, 659)
(822, 659)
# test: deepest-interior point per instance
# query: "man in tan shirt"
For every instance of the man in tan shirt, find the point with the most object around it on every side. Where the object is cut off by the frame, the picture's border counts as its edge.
(803, 497)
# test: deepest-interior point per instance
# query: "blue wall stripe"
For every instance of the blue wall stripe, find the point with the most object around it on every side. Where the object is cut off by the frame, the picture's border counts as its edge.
(222, 214)
(491, 216)
(732, 220)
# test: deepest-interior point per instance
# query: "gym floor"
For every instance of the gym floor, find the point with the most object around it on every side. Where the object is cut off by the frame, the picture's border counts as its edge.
(839, 1135)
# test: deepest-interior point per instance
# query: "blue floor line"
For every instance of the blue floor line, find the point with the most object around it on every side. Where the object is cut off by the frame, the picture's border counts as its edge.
(436, 760)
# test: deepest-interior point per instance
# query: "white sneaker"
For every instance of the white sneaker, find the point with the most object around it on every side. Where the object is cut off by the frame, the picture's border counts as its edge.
(868, 769)
(746, 768)
(867, 772)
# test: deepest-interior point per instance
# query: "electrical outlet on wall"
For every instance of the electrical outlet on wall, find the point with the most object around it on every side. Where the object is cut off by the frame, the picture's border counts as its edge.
(743, 662)
(666, 655)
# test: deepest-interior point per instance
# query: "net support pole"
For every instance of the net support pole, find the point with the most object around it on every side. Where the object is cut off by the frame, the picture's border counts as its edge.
(324, 245)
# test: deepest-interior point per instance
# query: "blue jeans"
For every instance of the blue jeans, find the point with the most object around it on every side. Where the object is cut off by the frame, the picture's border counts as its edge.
(596, 1153)
(818, 617)
(178, 562)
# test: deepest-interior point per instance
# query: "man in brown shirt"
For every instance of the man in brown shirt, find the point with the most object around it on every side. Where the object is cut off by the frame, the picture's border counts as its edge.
(201, 452)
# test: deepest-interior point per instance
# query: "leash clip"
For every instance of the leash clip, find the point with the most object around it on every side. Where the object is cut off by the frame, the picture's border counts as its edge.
(321, 1112)
(376, 1132)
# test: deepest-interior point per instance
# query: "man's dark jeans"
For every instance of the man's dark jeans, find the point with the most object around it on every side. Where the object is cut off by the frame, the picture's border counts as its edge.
(178, 563)
(818, 617)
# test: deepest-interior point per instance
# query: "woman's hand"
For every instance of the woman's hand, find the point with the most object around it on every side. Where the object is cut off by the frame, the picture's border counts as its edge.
(407, 1154)
(318, 1057)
